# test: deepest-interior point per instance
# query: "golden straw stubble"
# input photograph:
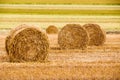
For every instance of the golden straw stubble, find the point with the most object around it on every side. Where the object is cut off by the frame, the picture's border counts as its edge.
(52, 29)
(96, 33)
(27, 43)
(73, 36)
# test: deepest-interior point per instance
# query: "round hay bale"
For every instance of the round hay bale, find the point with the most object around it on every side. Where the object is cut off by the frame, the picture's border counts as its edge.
(96, 34)
(73, 36)
(52, 29)
(27, 43)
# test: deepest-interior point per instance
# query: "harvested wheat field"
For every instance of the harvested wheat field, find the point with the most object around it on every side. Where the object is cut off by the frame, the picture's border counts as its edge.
(94, 63)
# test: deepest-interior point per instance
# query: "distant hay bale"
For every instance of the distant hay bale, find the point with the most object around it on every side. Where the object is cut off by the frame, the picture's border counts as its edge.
(96, 34)
(52, 29)
(27, 43)
(73, 36)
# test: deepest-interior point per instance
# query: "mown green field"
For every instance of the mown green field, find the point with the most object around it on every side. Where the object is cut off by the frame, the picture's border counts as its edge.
(107, 23)
(109, 2)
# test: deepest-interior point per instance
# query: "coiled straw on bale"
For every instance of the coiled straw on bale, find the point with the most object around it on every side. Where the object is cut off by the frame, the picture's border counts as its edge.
(52, 29)
(97, 35)
(27, 43)
(73, 36)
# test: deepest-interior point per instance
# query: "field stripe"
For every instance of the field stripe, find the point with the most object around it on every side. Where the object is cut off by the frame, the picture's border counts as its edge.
(109, 2)
(68, 7)
(61, 9)
(57, 18)
(60, 12)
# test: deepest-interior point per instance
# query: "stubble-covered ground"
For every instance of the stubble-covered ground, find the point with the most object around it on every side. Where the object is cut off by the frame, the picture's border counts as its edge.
(94, 63)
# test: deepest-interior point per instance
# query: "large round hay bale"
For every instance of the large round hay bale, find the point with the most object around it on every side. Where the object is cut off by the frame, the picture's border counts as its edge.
(52, 29)
(27, 43)
(73, 36)
(96, 34)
